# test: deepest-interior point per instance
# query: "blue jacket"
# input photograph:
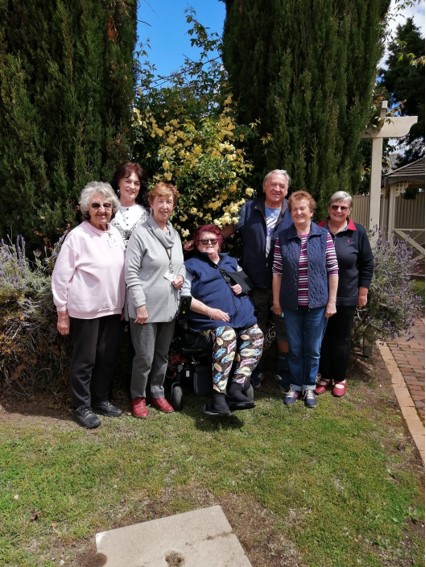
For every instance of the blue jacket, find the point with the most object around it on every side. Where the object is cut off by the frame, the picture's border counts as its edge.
(290, 245)
(210, 286)
(252, 227)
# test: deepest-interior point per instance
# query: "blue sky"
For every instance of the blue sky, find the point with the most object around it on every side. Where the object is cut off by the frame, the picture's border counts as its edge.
(163, 22)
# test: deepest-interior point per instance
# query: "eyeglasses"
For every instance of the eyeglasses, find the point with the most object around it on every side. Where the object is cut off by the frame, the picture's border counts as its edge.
(337, 207)
(205, 241)
(99, 205)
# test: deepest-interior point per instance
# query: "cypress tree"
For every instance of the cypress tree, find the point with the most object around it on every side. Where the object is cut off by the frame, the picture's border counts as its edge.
(66, 85)
(305, 70)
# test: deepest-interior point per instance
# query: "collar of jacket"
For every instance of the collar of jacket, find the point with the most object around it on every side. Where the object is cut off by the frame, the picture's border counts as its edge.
(205, 257)
(351, 224)
(292, 232)
(260, 205)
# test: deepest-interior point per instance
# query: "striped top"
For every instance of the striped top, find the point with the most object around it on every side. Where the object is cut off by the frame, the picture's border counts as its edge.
(303, 284)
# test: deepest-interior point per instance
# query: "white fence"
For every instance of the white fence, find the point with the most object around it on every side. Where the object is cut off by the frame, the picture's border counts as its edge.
(409, 213)
(409, 222)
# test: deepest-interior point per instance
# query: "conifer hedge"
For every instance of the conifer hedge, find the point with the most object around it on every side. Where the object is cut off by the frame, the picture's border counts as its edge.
(66, 85)
(305, 69)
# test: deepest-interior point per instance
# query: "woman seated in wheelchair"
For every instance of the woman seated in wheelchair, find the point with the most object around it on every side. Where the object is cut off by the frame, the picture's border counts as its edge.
(223, 312)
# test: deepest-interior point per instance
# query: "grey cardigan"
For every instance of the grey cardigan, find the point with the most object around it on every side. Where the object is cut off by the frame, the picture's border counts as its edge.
(147, 262)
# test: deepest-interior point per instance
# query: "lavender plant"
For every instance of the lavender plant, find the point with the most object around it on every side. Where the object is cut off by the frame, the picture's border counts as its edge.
(31, 355)
(392, 304)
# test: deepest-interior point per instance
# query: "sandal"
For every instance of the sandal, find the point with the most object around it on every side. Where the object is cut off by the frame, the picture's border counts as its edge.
(322, 386)
(339, 389)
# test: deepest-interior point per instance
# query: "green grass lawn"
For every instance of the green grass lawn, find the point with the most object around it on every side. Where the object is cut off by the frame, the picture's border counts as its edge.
(341, 485)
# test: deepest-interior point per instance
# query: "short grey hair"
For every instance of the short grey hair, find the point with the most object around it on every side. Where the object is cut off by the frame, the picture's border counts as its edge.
(340, 196)
(101, 188)
(278, 172)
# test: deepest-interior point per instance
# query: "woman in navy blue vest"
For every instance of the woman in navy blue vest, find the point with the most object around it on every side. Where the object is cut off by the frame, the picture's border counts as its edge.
(304, 285)
(225, 315)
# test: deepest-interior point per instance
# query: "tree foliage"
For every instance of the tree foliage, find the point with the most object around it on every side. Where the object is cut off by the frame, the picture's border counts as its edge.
(66, 86)
(305, 71)
(403, 77)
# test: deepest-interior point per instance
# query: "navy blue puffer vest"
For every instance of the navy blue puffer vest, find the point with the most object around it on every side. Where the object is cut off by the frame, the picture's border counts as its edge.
(290, 245)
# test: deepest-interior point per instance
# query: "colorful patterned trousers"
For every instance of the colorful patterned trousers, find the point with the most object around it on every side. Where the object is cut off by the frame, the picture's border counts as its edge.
(236, 350)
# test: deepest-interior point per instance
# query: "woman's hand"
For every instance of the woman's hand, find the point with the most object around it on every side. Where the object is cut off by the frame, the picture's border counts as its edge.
(177, 283)
(189, 246)
(63, 324)
(218, 315)
(276, 309)
(141, 315)
(330, 309)
(362, 297)
(237, 289)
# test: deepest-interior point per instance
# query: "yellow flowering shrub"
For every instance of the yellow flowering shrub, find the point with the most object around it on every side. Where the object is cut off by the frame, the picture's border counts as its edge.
(201, 158)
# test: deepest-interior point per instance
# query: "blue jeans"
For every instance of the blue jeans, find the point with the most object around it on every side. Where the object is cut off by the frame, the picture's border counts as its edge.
(305, 331)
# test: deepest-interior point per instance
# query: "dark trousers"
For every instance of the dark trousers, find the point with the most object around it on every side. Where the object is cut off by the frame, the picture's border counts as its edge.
(95, 343)
(336, 345)
(151, 342)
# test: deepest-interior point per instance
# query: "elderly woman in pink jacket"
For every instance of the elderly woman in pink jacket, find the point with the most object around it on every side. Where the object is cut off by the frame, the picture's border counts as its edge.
(88, 290)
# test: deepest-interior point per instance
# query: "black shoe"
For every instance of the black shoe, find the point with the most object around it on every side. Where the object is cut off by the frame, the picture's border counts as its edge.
(235, 406)
(256, 378)
(217, 405)
(85, 417)
(237, 399)
(236, 393)
(106, 408)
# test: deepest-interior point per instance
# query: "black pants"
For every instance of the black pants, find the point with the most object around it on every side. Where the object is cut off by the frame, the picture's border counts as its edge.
(95, 343)
(336, 345)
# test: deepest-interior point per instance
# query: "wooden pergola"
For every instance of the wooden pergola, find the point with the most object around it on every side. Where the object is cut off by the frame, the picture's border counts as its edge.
(387, 127)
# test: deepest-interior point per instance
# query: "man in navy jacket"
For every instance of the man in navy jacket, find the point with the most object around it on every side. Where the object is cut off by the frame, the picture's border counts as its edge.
(261, 221)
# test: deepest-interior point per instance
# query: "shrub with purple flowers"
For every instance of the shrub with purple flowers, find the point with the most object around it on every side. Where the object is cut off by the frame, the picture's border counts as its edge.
(31, 354)
(392, 304)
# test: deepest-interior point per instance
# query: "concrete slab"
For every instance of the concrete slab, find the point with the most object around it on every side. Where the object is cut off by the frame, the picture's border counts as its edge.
(198, 538)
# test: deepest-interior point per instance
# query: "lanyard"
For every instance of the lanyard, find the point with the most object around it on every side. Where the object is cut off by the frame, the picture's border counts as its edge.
(169, 255)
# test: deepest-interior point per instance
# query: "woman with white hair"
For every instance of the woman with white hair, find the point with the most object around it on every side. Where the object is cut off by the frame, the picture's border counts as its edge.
(356, 265)
(88, 291)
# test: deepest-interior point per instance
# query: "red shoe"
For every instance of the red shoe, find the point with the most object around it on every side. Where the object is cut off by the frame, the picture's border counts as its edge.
(162, 404)
(339, 389)
(139, 408)
(322, 386)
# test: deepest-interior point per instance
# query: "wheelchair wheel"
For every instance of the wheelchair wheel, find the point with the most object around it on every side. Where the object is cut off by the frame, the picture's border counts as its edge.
(176, 397)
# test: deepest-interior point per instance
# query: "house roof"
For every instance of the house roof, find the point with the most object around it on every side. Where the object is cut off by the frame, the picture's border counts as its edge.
(413, 173)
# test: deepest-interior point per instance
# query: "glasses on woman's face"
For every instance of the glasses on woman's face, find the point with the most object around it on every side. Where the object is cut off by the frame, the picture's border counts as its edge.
(99, 205)
(343, 208)
(205, 241)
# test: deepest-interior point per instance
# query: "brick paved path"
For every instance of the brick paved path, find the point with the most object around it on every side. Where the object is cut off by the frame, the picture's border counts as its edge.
(409, 354)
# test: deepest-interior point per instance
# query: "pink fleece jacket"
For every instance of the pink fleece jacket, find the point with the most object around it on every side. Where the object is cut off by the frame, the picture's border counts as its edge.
(88, 277)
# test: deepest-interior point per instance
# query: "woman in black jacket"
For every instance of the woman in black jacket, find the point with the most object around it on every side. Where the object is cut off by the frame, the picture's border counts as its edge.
(356, 265)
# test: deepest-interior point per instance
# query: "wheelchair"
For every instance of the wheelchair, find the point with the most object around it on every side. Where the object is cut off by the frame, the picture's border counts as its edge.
(190, 363)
